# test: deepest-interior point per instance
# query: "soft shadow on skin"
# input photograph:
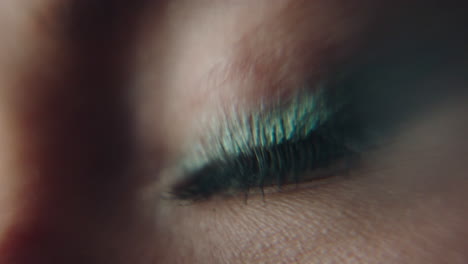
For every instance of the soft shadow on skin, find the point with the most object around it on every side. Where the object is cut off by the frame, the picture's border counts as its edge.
(75, 142)
(75, 179)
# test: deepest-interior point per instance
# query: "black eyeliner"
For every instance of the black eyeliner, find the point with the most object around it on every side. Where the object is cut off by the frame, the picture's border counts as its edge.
(301, 139)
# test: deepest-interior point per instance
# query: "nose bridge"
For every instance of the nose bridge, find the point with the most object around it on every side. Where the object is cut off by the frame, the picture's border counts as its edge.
(53, 182)
(65, 137)
(61, 159)
(33, 241)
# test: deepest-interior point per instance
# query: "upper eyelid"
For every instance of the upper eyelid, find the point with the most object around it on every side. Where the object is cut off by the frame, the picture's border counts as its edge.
(213, 160)
(239, 133)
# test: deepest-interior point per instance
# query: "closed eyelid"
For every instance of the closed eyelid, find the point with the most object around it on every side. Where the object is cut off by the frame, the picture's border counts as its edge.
(271, 60)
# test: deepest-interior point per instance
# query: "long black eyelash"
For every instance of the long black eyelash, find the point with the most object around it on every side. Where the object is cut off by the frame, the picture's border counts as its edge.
(279, 164)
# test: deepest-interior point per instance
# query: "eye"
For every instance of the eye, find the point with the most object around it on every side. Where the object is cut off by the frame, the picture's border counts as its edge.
(314, 134)
(311, 135)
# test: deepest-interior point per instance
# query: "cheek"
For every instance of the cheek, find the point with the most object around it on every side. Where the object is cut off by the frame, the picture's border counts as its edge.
(403, 204)
(312, 226)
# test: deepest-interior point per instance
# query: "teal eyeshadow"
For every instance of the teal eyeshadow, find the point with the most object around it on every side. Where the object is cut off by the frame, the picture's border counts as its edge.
(271, 146)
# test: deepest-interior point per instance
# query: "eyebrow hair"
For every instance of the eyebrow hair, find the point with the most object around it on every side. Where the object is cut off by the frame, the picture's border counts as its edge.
(238, 133)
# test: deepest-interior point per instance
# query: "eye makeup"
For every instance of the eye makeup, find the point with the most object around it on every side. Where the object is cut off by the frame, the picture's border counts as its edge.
(367, 105)
(274, 146)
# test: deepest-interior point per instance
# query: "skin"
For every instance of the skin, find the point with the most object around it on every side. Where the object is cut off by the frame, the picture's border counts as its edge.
(98, 101)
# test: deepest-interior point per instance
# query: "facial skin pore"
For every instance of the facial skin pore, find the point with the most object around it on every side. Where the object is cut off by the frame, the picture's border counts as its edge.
(100, 99)
(380, 214)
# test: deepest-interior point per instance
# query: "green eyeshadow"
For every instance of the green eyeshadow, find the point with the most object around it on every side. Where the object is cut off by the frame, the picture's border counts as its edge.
(273, 146)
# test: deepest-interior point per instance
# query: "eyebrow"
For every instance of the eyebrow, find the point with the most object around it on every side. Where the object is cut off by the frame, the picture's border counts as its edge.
(235, 133)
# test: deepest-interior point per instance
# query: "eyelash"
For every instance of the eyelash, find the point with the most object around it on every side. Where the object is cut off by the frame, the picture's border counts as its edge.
(279, 164)
(373, 101)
